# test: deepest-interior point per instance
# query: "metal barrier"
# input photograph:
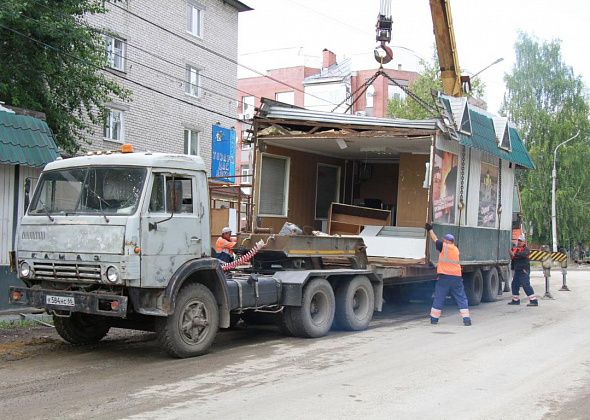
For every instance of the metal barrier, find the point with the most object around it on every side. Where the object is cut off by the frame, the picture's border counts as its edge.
(547, 259)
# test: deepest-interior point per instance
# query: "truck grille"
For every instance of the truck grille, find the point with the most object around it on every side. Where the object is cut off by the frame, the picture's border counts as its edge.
(64, 270)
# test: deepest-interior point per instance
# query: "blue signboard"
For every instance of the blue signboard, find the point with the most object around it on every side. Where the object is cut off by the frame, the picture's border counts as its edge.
(223, 153)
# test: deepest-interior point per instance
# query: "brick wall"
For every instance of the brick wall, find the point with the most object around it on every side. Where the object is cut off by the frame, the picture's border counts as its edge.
(155, 122)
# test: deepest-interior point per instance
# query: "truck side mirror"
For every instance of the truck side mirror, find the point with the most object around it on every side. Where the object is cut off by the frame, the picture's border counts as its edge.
(27, 193)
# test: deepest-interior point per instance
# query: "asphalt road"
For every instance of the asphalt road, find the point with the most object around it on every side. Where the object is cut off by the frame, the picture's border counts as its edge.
(513, 363)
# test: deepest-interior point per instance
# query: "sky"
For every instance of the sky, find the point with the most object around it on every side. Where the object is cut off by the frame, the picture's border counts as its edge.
(283, 33)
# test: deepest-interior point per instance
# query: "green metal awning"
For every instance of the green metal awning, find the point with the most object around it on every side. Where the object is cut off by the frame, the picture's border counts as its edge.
(25, 141)
(483, 137)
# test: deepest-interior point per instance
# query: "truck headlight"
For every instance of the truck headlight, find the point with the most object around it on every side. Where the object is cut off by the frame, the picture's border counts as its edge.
(112, 274)
(25, 269)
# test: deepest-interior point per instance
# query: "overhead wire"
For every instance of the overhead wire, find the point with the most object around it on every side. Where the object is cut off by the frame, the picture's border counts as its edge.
(115, 73)
(103, 32)
(209, 50)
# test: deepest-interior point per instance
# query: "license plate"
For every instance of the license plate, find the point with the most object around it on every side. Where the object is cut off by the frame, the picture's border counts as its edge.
(60, 300)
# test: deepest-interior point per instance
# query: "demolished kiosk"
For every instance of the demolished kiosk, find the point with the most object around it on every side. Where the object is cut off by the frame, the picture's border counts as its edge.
(383, 178)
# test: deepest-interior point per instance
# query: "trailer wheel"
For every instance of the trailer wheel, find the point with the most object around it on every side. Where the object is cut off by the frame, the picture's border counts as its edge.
(191, 329)
(355, 304)
(315, 316)
(473, 283)
(80, 329)
(491, 285)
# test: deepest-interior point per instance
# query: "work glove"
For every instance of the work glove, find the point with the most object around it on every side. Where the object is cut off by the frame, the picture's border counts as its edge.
(428, 227)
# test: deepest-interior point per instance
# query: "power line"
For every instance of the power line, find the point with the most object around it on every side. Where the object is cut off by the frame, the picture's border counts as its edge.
(317, 12)
(184, 68)
(156, 56)
(171, 76)
(209, 50)
(116, 74)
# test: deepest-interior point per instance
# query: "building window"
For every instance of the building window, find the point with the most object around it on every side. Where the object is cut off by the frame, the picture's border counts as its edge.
(246, 146)
(285, 97)
(248, 107)
(274, 186)
(115, 53)
(114, 125)
(245, 172)
(395, 92)
(194, 19)
(246, 138)
(191, 142)
(193, 81)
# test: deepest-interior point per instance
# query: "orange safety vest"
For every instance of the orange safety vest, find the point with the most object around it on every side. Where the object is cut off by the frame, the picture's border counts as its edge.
(223, 245)
(448, 261)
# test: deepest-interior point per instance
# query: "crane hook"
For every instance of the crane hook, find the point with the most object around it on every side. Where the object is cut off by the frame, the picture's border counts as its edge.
(383, 53)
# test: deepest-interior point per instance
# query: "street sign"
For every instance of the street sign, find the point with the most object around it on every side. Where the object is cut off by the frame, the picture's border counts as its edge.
(223, 153)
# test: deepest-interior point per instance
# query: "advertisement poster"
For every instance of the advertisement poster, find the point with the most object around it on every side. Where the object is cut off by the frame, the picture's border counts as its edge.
(488, 195)
(223, 153)
(444, 186)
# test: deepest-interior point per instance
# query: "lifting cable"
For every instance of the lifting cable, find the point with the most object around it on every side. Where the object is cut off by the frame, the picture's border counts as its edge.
(363, 88)
(427, 107)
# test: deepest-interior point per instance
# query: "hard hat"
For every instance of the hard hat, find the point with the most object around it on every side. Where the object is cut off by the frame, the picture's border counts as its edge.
(522, 238)
(225, 230)
(449, 237)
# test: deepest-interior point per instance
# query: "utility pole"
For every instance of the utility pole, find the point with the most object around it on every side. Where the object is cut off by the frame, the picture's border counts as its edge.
(553, 204)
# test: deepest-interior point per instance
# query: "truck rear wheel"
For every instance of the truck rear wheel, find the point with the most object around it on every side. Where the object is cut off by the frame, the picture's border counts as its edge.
(315, 316)
(355, 303)
(80, 329)
(191, 329)
(491, 285)
(473, 283)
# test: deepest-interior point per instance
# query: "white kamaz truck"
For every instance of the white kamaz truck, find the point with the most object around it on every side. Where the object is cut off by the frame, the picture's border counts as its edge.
(123, 240)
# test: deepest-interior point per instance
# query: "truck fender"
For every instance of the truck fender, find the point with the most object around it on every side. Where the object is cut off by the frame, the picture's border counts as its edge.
(206, 271)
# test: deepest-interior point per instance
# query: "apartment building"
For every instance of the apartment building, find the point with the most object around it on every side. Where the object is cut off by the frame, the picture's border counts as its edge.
(326, 88)
(178, 59)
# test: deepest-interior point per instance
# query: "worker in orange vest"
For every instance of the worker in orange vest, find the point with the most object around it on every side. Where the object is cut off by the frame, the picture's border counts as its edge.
(224, 245)
(449, 278)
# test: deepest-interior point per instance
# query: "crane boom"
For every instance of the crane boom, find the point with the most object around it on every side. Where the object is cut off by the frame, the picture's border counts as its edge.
(448, 59)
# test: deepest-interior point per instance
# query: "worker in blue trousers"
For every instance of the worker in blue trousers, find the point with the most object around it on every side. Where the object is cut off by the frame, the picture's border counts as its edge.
(522, 270)
(449, 278)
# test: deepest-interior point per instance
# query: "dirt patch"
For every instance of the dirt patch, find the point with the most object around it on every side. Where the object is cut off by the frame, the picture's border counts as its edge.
(23, 343)
(20, 343)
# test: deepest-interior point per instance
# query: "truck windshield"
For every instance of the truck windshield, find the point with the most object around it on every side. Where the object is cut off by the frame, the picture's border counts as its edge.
(93, 190)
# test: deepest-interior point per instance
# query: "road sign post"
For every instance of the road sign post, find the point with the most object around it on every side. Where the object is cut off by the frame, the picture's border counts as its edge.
(564, 287)
(547, 273)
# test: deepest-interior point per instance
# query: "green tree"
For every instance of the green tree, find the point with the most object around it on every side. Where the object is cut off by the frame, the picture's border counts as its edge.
(546, 100)
(63, 82)
(427, 81)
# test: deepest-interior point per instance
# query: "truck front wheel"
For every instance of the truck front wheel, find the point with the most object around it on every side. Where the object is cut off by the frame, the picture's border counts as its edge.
(80, 329)
(315, 316)
(355, 303)
(191, 329)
